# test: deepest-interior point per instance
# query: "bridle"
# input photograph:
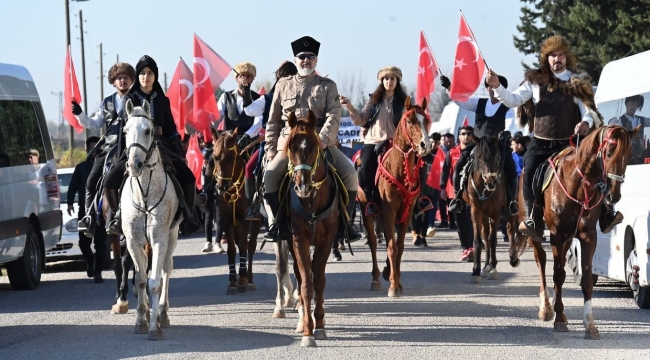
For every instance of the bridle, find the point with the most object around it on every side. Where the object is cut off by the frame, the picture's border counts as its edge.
(292, 169)
(487, 193)
(233, 192)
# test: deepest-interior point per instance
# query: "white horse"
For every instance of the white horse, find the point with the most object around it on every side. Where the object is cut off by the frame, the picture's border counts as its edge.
(148, 204)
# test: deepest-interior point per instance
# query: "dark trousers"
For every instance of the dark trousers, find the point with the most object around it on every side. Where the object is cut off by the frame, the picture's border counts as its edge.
(465, 229)
(368, 169)
(213, 217)
(100, 248)
(443, 206)
(115, 177)
(420, 223)
(435, 199)
(538, 151)
(92, 183)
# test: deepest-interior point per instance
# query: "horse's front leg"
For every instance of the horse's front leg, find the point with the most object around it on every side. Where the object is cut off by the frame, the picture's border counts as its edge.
(492, 247)
(281, 270)
(401, 234)
(159, 250)
(369, 224)
(391, 251)
(252, 245)
(559, 245)
(241, 233)
(318, 269)
(546, 312)
(301, 251)
(168, 266)
(121, 306)
(232, 253)
(139, 256)
(477, 223)
(587, 249)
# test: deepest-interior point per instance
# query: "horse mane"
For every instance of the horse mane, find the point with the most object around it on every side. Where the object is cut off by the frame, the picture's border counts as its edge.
(482, 150)
(303, 127)
(590, 144)
(221, 144)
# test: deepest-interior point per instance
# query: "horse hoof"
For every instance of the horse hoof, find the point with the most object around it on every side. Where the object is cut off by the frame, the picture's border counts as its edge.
(231, 291)
(164, 320)
(319, 334)
(546, 315)
(514, 262)
(386, 273)
(493, 275)
(308, 341)
(280, 314)
(375, 286)
(120, 308)
(251, 287)
(241, 289)
(393, 292)
(299, 327)
(486, 270)
(155, 334)
(561, 327)
(296, 295)
(288, 304)
(142, 328)
(476, 279)
(592, 334)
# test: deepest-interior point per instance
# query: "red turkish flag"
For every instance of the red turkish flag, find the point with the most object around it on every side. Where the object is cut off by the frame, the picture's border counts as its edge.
(427, 70)
(466, 121)
(469, 65)
(181, 95)
(195, 159)
(71, 92)
(210, 70)
(433, 179)
(262, 90)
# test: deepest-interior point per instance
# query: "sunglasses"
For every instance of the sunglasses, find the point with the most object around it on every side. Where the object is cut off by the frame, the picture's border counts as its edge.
(465, 133)
(306, 56)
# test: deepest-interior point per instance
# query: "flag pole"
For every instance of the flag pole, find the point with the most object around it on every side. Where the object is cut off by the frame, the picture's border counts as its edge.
(476, 42)
(430, 51)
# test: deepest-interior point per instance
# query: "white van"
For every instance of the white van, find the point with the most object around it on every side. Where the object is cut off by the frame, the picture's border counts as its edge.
(623, 254)
(30, 217)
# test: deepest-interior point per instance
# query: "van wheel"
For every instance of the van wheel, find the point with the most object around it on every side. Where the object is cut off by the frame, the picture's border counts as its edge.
(641, 294)
(25, 273)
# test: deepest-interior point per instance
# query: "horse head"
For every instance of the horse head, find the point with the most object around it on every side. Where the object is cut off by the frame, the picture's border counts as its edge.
(228, 164)
(412, 128)
(139, 138)
(304, 153)
(487, 161)
(614, 148)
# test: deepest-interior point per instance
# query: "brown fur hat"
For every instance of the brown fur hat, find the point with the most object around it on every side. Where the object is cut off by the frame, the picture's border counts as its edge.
(390, 71)
(245, 67)
(557, 43)
(119, 69)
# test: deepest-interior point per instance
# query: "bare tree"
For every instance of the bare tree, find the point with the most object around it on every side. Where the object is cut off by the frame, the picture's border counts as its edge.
(439, 99)
(353, 86)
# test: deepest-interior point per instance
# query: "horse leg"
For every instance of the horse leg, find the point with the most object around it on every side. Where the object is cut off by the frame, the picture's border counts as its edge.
(401, 234)
(559, 275)
(168, 265)
(492, 247)
(546, 312)
(318, 269)
(368, 223)
(296, 273)
(587, 248)
(515, 238)
(477, 223)
(127, 265)
(232, 252)
(306, 293)
(281, 269)
(155, 286)
(252, 245)
(391, 253)
(241, 232)
(139, 255)
(121, 306)
(485, 242)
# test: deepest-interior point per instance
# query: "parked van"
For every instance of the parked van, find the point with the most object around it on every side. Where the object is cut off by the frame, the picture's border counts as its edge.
(623, 254)
(30, 215)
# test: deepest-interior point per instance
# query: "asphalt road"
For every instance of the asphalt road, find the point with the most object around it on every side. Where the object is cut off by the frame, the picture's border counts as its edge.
(440, 315)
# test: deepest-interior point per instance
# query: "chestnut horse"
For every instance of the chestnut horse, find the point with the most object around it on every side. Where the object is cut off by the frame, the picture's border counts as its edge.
(314, 216)
(582, 179)
(398, 188)
(229, 166)
(486, 195)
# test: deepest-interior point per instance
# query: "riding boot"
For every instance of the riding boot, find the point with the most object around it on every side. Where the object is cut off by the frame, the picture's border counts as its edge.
(609, 218)
(87, 224)
(371, 207)
(115, 226)
(533, 225)
(253, 211)
(511, 195)
(279, 229)
(353, 234)
(456, 204)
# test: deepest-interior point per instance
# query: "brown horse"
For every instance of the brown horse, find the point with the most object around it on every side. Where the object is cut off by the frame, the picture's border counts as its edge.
(314, 215)
(229, 166)
(398, 188)
(582, 179)
(486, 196)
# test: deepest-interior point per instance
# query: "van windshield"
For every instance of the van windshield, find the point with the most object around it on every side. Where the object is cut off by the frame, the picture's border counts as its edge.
(630, 112)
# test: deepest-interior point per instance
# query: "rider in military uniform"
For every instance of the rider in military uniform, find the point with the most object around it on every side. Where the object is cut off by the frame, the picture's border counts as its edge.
(301, 93)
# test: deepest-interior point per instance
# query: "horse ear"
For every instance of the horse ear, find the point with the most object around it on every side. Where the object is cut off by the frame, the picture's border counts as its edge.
(292, 120)
(423, 104)
(407, 103)
(311, 118)
(234, 132)
(147, 108)
(634, 132)
(128, 107)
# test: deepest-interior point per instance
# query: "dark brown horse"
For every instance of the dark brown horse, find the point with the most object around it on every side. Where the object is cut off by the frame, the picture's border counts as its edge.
(398, 188)
(314, 216)
(229, 166)
(486, 195)
(582, 179)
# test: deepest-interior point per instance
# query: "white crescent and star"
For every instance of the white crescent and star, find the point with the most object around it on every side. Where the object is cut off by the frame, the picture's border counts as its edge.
(206, 67)
(190, 88)
(470, 40)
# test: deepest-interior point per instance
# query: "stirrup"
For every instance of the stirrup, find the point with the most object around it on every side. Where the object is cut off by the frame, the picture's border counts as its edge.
(371, 209)
(613, 218)
(513, 208)
(456, 206)
(115, 227)
(528, 228)
(254, 212)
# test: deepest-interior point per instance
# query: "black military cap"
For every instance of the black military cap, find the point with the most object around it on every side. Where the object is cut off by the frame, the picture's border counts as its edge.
(305, 44)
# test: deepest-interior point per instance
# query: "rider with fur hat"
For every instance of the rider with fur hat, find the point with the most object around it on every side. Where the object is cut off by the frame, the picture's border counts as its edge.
(148, 88)
(557, 102)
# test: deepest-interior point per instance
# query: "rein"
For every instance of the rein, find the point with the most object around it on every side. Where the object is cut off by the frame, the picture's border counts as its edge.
(233, 192)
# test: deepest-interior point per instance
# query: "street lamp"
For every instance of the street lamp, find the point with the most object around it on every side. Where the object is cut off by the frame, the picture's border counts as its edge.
(67, 35)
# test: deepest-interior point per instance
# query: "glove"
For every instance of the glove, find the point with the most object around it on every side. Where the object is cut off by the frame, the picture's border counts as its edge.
(379, 148)
(76, 109)
(247, 95)
(244, 141)
(444, 81)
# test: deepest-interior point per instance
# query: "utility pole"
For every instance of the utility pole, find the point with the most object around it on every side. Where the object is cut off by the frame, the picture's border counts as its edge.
(101, 81)
(165, 77)
(117, 58)
(67, 36)
(83, 67)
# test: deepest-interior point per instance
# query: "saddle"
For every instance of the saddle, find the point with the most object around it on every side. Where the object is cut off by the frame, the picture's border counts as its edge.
(544, 173)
